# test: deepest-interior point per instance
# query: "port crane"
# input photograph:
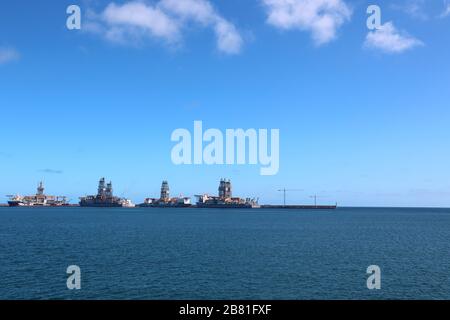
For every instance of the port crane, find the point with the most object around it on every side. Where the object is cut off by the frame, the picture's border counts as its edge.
(284, 190)
(315, 197)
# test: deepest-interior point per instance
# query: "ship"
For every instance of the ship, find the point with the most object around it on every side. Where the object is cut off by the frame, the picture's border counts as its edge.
(38, 200)
(225, 199)
(105, 197)
(165, 201)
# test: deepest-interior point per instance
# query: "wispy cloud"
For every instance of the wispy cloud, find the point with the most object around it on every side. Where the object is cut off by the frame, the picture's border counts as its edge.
(8, 54)
(389, 40)
(417, 9)
(413, 8)
(446, 12)
(137, 21)
(52, 171)
(201, 11)
(322, 18)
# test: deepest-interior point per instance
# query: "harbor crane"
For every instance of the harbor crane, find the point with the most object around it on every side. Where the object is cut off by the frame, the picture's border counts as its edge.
(315, 197)
(284, 190)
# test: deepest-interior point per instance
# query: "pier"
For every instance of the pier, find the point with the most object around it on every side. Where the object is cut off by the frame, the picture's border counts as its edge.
(302, 207)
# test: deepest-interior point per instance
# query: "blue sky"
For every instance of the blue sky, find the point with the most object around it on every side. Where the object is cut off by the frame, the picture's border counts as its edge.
(363, 115)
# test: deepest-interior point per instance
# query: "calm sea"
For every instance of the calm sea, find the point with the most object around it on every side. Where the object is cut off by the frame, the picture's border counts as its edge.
(224, 254)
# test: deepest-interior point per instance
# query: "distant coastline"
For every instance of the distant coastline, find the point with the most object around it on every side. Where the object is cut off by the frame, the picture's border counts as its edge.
(105, 198)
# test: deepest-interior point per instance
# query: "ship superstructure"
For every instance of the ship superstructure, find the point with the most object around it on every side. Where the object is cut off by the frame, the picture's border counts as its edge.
(39, 199)
(225, 199)
(165, 200)
(104, 197)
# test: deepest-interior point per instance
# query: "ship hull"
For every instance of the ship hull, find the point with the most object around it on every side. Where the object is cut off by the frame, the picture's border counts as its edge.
(101, 205)
(15, 203)
(224, 206)
(21, 204)
(144, 205)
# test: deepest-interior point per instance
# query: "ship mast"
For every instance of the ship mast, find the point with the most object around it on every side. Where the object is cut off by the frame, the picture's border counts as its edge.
(165, 191)
(40, 189)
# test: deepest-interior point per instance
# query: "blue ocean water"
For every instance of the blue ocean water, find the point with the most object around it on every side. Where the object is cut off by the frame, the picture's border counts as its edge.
(152, 253)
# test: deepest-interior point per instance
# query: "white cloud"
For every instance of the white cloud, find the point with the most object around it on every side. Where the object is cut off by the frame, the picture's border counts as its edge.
(8, 54)
(388, 39)
(228, 38)
(137, 20)
(446, 11)
(198, 10)
(138, 17)
(320, 17)
(413, 8)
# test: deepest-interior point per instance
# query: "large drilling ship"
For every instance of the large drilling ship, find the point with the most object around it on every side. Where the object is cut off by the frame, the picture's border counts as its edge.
(105, 197)
(39, 199)
(165, 201)
(225, 199)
